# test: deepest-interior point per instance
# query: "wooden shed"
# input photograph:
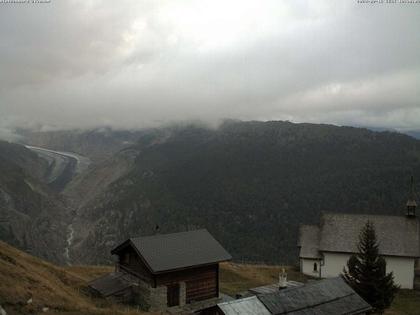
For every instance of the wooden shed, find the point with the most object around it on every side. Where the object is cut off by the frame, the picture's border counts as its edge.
(173, 270)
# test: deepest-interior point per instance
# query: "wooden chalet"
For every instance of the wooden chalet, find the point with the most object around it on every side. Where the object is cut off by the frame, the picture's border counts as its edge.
(179, 270)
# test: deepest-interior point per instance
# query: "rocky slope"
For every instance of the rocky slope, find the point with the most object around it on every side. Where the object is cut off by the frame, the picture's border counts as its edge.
(32, 216)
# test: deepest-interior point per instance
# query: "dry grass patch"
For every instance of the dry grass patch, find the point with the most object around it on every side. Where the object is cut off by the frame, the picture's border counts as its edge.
(236, 278)
(88, 273)
(407, 302)
(62, 290)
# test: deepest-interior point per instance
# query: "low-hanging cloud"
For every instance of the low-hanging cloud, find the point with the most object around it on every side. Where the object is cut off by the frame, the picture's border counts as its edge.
(133, 64)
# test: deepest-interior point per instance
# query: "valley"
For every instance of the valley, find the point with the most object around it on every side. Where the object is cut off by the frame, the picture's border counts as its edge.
(62, 166)
(250, 183)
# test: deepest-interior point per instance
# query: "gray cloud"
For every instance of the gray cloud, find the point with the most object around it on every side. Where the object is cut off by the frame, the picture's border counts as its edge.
(131, 64)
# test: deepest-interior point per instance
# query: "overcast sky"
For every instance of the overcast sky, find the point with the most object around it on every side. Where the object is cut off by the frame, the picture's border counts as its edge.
(128, 64)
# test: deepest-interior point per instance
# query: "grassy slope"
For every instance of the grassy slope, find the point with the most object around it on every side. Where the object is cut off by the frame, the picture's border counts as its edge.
(62, 289)
(407, 302)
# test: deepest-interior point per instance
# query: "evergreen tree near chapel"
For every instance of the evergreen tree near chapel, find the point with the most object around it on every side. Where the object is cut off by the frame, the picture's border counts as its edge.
(366, 272)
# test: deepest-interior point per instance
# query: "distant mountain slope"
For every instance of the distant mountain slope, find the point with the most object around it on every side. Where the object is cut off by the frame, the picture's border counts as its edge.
(97, 144)
(250, 183)
(414, 133)
(32, 217)
(23, 158)
(411, 133)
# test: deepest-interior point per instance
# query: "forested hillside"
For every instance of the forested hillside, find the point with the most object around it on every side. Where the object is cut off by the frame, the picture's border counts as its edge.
(250, 184)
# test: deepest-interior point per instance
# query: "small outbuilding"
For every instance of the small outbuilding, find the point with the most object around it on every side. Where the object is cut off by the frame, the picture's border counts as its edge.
(118, 286)
(325, 297)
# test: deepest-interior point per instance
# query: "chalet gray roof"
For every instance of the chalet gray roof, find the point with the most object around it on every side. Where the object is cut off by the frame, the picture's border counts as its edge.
(397, 235)
(309, 241)
(325, 297)
(112, 283)
(246, 306)
(165, 252)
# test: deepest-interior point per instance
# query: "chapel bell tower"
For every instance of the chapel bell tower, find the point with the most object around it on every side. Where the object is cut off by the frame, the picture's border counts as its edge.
(411, 202)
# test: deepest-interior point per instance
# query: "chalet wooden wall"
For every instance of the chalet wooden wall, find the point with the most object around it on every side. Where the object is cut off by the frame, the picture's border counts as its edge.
(201, 282)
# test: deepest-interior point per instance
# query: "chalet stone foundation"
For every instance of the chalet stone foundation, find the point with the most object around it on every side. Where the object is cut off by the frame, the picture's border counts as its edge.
(158, 298)
(155, 299)
(149, 298)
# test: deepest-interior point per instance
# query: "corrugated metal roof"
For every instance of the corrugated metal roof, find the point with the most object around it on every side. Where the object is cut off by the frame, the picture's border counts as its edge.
(326, 297)
(164, 252)
(273, 287)
(348, 305)
(225, 298)
(112, 283)
(246, 306)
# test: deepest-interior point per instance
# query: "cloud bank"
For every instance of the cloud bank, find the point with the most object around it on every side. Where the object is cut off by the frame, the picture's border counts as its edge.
(134, 64)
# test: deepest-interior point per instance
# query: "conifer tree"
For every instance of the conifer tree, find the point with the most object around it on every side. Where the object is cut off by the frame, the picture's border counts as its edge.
(366, 272)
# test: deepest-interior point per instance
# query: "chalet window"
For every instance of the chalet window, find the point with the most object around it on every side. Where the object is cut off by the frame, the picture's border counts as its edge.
(315, 267)
(126, 259)
(172, 294)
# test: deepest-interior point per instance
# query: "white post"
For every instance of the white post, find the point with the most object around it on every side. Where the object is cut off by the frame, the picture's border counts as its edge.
(282, 279)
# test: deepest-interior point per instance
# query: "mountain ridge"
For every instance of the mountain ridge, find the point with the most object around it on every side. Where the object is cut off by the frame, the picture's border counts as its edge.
(250, 183)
